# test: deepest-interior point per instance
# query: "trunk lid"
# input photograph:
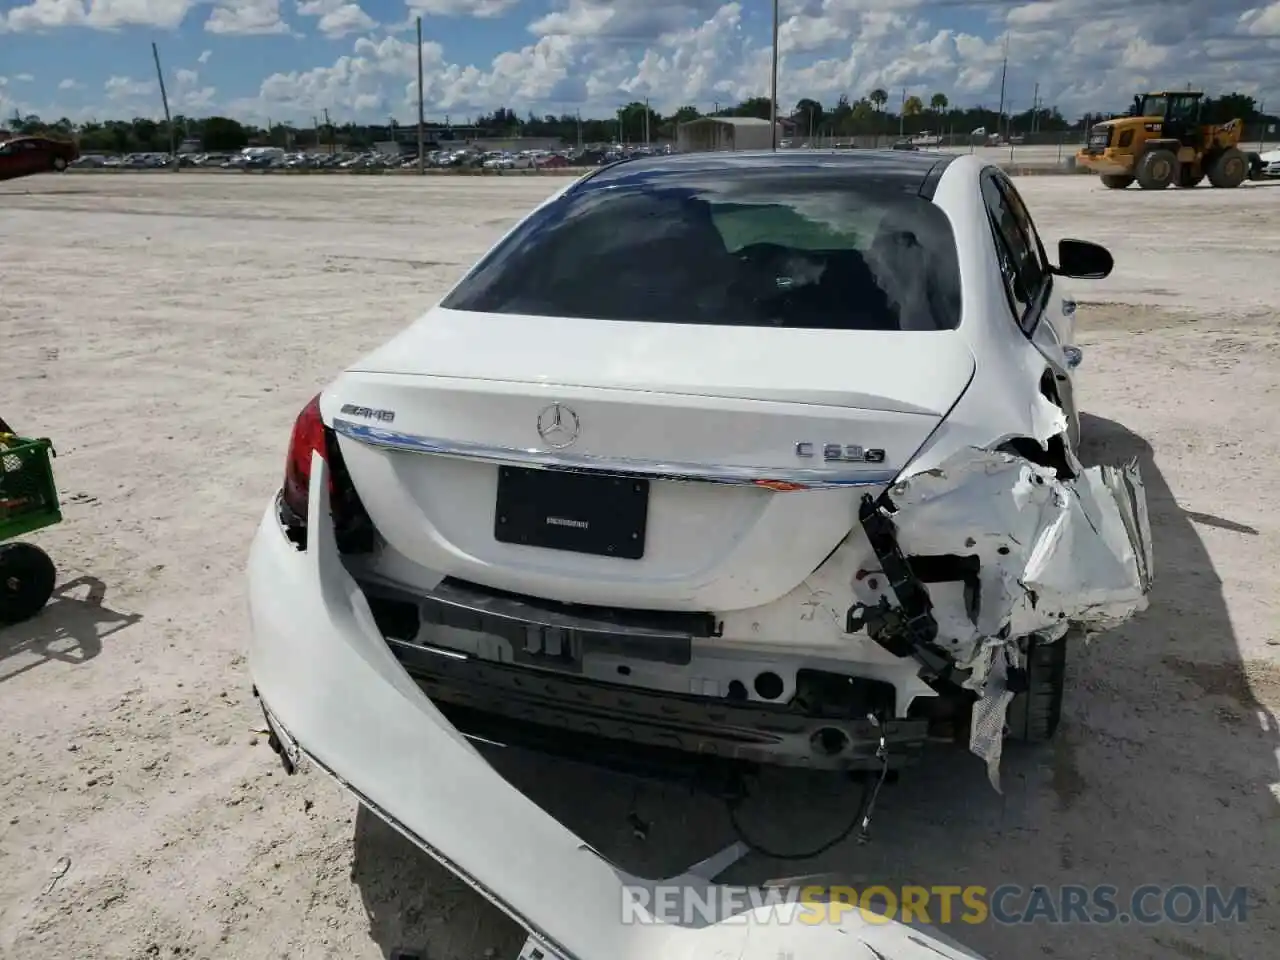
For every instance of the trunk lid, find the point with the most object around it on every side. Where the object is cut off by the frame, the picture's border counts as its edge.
(709, 419)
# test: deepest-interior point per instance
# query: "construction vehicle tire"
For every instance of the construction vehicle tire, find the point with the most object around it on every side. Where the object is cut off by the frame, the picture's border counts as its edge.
(1189, 175)
(1256, 165)
(1157, 169)
(1116, 181)
(1229, 169)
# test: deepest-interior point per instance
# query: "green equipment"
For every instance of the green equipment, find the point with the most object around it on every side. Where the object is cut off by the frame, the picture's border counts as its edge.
(28, 502)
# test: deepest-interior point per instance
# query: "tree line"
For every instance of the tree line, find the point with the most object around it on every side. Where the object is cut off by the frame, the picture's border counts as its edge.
(633, 123)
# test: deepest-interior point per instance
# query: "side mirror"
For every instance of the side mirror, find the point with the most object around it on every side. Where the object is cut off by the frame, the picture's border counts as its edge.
(1083, 260)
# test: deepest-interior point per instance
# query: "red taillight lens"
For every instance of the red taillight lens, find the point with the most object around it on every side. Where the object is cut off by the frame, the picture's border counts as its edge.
(308, 438)
(351, 525)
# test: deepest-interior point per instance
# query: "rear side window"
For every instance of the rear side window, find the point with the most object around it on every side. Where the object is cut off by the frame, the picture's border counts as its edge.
(1017, 246)
(801, 249)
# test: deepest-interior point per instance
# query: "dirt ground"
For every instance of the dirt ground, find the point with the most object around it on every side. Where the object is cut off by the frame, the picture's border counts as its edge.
(165, 330)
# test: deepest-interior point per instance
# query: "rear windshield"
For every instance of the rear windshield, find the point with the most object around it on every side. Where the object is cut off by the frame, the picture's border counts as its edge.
(824, 250)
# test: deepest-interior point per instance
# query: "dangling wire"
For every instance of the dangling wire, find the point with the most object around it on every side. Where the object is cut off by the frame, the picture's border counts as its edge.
(861, 821)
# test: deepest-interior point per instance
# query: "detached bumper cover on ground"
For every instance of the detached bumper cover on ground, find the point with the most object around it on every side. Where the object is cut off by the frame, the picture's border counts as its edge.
(334, 692)
(1051, 552)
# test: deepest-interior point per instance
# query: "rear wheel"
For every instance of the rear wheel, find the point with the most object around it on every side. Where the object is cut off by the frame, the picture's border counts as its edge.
(27, 578)
(59, 164)
(1034, 714)
(1229, 169)
(1157, 169)
(1189, 175)
(1116, 181)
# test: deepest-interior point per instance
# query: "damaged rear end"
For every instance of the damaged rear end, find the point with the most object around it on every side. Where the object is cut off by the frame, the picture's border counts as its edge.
(739, 523)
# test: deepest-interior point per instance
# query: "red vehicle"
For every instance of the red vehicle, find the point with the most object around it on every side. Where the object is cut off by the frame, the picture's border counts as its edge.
(26, 155)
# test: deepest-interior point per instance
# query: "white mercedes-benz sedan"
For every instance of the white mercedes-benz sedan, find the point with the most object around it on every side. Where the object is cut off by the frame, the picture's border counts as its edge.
(749, 459)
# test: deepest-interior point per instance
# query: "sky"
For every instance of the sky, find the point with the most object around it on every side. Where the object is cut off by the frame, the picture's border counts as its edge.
(289, 60)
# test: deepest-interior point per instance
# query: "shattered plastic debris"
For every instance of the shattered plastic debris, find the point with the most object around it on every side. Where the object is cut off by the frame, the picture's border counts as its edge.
(1052, 553)
(990, 680)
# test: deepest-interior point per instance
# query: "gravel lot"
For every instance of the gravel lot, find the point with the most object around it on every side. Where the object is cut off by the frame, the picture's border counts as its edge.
(165, 330)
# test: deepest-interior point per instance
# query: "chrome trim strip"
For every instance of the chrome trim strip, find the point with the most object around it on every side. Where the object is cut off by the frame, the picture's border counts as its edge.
(801, 478)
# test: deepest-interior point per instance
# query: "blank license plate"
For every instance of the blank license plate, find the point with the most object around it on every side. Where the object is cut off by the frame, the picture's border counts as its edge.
(578, 512)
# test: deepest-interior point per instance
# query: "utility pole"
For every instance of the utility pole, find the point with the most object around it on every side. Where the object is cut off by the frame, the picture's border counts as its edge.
(1004, 73)
(422, 153)
(1035, 110)
(328, 129)
(315, 125)
(579, 131)
(773, 86)
(164, 98)
(902, 116)
(646, 122)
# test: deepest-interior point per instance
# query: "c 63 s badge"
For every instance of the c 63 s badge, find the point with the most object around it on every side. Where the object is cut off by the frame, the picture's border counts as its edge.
(840, 452)
(368, 413)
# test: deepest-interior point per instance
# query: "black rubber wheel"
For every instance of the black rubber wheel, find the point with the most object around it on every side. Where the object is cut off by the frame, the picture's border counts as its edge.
(1116, 181)
(1255, 165)
(1229, 169)
(1033, 716)
(1189, 176)
(27, 578)
(1157, 169)
(59, 165)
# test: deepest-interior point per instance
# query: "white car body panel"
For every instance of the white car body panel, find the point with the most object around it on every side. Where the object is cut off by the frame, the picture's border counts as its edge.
(768, 542)
(332, 689)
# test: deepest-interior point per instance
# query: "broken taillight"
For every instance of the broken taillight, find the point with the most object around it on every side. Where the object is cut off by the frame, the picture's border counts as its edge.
(352, 526)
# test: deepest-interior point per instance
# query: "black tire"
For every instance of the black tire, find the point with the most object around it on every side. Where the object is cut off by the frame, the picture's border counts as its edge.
(1255, 165)
(27, 578)
(1189, 175)
(1116, 181)
(1157, 169)
(1033, 716)
(1229, 169)
(59, 165)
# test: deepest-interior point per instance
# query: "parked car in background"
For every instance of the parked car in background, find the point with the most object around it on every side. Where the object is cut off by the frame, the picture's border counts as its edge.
(1270, 163)
(23, 156)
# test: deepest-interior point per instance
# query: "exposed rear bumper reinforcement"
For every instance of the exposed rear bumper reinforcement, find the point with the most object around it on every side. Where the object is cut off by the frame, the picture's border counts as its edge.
(548, 711)
(540, 633)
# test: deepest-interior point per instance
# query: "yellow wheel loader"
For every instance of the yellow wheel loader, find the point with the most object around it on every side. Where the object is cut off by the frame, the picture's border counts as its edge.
(1163, 142)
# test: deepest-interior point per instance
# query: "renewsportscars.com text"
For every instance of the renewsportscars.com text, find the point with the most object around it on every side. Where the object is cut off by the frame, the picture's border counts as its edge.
(940, 904)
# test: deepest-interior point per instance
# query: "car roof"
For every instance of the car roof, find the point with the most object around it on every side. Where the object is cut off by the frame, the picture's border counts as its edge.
(919, 169)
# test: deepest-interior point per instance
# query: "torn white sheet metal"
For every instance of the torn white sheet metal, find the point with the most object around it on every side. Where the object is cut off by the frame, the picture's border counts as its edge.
(334, 693)
(1052, 552)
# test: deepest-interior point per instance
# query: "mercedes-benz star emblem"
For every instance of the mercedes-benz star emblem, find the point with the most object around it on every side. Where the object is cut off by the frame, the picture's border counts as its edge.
(558, 426)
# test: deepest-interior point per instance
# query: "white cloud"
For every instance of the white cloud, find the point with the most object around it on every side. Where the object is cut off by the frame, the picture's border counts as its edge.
(484, 9)
(599, 54)
(70, 84)
(246, 18)
(204, 56)
(337, 18)
(127, 88)
(24, 78)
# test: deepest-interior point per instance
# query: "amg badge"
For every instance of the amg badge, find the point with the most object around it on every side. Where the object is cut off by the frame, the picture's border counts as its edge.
(840, 452)
(368, 413)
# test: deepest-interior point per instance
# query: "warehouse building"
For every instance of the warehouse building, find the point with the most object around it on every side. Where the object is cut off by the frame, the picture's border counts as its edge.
(725, 133)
